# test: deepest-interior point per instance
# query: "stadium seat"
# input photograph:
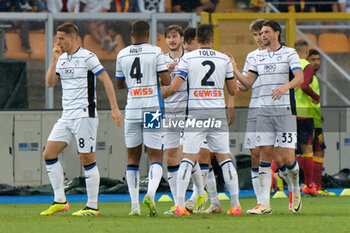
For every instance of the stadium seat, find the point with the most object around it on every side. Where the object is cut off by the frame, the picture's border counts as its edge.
(14, 47)
(90, 44)
(333, 42)
(226, 6)
(38, 44)
(312, 37)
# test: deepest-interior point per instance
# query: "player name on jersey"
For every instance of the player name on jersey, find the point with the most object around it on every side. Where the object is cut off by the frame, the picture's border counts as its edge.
(135, 50)
(207, 53)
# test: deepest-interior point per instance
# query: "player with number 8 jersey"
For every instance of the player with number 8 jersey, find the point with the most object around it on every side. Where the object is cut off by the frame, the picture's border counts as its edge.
(77, 69)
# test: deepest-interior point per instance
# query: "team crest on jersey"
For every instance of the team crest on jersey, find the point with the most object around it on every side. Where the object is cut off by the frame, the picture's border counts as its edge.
(270, 68)
(76, 63)
(151, 120)
(279, 58)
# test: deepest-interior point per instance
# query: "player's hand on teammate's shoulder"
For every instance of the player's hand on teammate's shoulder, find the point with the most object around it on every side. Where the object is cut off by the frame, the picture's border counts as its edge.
(56, 51)
(117, 117)
(171, 66)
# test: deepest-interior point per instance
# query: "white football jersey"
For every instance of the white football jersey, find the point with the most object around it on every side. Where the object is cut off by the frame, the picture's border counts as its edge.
(275, 69)
(253, 104)
(139, 65)
(205, 71)
(177, 102)
(77, 73)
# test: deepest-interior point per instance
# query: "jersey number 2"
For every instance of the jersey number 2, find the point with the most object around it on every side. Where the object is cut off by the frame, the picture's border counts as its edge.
(135, 71)
(205, 81)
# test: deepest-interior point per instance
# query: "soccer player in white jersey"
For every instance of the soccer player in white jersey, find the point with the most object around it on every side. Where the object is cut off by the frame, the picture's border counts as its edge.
(250, 136)
(138, 66)
(77, 69)
(206, 71)
(203, 165)
(276, 122)
(175, 108)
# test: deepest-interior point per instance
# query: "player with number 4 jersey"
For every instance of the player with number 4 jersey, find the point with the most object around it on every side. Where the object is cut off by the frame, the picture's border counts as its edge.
(139, 65)
(138, 68)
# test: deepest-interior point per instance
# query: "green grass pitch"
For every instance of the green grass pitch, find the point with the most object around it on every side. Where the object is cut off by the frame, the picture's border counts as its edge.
(320, 214)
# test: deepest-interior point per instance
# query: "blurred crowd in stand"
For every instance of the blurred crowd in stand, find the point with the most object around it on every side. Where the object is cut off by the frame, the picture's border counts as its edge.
(302, 5)
(104, 32)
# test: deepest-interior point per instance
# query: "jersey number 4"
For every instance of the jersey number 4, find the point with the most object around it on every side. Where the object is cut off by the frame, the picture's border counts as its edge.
(211, 70)
(135, 71)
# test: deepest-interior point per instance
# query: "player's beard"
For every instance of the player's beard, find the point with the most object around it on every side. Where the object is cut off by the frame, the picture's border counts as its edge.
(175, 49)
(267, 43)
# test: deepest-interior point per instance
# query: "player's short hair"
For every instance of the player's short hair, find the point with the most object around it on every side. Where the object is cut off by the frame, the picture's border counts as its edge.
(68, 28)
(175, 28)
(140, 29)
(275, 27)
(301, 45)
(256, 25)
(189, 34)
(313, 52)
(204, 33)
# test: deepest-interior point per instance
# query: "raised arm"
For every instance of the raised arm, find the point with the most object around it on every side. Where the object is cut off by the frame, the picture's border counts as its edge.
(165, 78)
(172, 89)
(240, 87)
(246, 81)
(51, 77)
